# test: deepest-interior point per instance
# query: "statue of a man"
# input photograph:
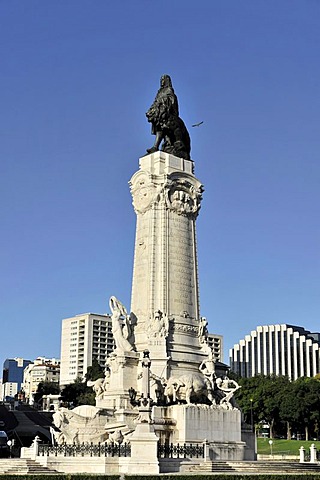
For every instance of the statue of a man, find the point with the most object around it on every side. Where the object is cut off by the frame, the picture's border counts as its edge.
(167, 126)
(207, 367)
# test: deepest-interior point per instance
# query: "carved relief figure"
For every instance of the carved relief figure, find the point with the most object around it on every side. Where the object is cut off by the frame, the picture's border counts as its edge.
(203, 330)
(159, 325)
(181, 202)
(183, 198)
(167, 126)
(144, 193)
(177, 201)
(119, 333)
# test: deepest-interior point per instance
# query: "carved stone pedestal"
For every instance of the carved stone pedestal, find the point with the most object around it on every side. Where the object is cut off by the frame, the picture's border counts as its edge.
(144, 444)
(123, 375)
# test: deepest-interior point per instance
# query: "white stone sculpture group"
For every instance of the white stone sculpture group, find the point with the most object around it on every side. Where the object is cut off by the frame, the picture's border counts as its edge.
(87, 424)
(201, 387)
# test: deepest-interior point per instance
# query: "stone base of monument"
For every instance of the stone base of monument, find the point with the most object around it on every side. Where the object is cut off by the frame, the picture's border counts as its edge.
(86, 464)
(218, 428)
(144, 455)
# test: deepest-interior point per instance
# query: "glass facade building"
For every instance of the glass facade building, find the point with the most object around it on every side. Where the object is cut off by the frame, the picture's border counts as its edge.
(13, 373)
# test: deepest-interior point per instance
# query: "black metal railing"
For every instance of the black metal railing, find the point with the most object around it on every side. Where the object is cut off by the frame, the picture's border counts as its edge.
(87, 449)
(184, 450)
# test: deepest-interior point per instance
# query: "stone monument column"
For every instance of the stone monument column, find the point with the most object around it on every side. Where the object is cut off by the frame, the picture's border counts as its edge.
(165, 293)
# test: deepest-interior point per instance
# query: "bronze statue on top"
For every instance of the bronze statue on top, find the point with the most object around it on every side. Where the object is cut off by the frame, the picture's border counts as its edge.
(167, 126)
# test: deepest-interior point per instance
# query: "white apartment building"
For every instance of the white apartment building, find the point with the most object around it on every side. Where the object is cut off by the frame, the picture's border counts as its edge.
(83, 338)
(40, 370)
(277, 349)
(215, 342)
(9, 389)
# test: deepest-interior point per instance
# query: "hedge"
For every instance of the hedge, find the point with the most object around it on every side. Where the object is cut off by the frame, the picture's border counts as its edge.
(225, 476)
(168, 476)
(59, 476)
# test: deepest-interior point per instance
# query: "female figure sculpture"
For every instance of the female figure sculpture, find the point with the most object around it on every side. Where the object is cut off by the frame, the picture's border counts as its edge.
(118, 310)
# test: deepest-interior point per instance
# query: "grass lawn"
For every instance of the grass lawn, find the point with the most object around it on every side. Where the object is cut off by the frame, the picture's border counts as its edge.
(283, 447)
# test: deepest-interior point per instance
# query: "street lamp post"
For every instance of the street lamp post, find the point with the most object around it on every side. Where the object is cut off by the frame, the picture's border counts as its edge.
(270, 443)
(251, 414)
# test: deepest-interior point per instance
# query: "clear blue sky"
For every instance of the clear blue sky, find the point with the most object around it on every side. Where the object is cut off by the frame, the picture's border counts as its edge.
(76, 78)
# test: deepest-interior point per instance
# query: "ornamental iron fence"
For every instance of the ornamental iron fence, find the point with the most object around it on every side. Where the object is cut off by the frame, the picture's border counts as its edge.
(86, 449)
(170, 450)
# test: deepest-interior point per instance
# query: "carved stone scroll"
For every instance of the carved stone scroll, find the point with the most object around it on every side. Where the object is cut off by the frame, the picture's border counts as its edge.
(144, 193)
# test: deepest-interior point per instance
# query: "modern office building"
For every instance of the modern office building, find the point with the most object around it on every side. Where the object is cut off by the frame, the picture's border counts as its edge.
(277, 349)
(12, 377)
(215, 342)
(83, 338)
(40, 370)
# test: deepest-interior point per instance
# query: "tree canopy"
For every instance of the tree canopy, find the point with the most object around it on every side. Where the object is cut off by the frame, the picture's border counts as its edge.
(77, 393)
(46, 388)
(287, 407)
(95, 371)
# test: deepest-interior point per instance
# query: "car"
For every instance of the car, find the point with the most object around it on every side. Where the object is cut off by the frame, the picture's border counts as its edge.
(4, 448)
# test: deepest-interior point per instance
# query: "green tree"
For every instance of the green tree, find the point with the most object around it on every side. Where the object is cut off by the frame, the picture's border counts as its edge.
(87, 398)
(261, 396)
(289, 406)
(247, 398)
(271, 395)
(281, 403)
(307, 412)
(78, 393)
(46, 388)
(95, 371)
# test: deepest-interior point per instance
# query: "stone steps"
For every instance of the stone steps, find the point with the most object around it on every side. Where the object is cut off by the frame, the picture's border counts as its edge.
(255, 467)
(20, 466)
